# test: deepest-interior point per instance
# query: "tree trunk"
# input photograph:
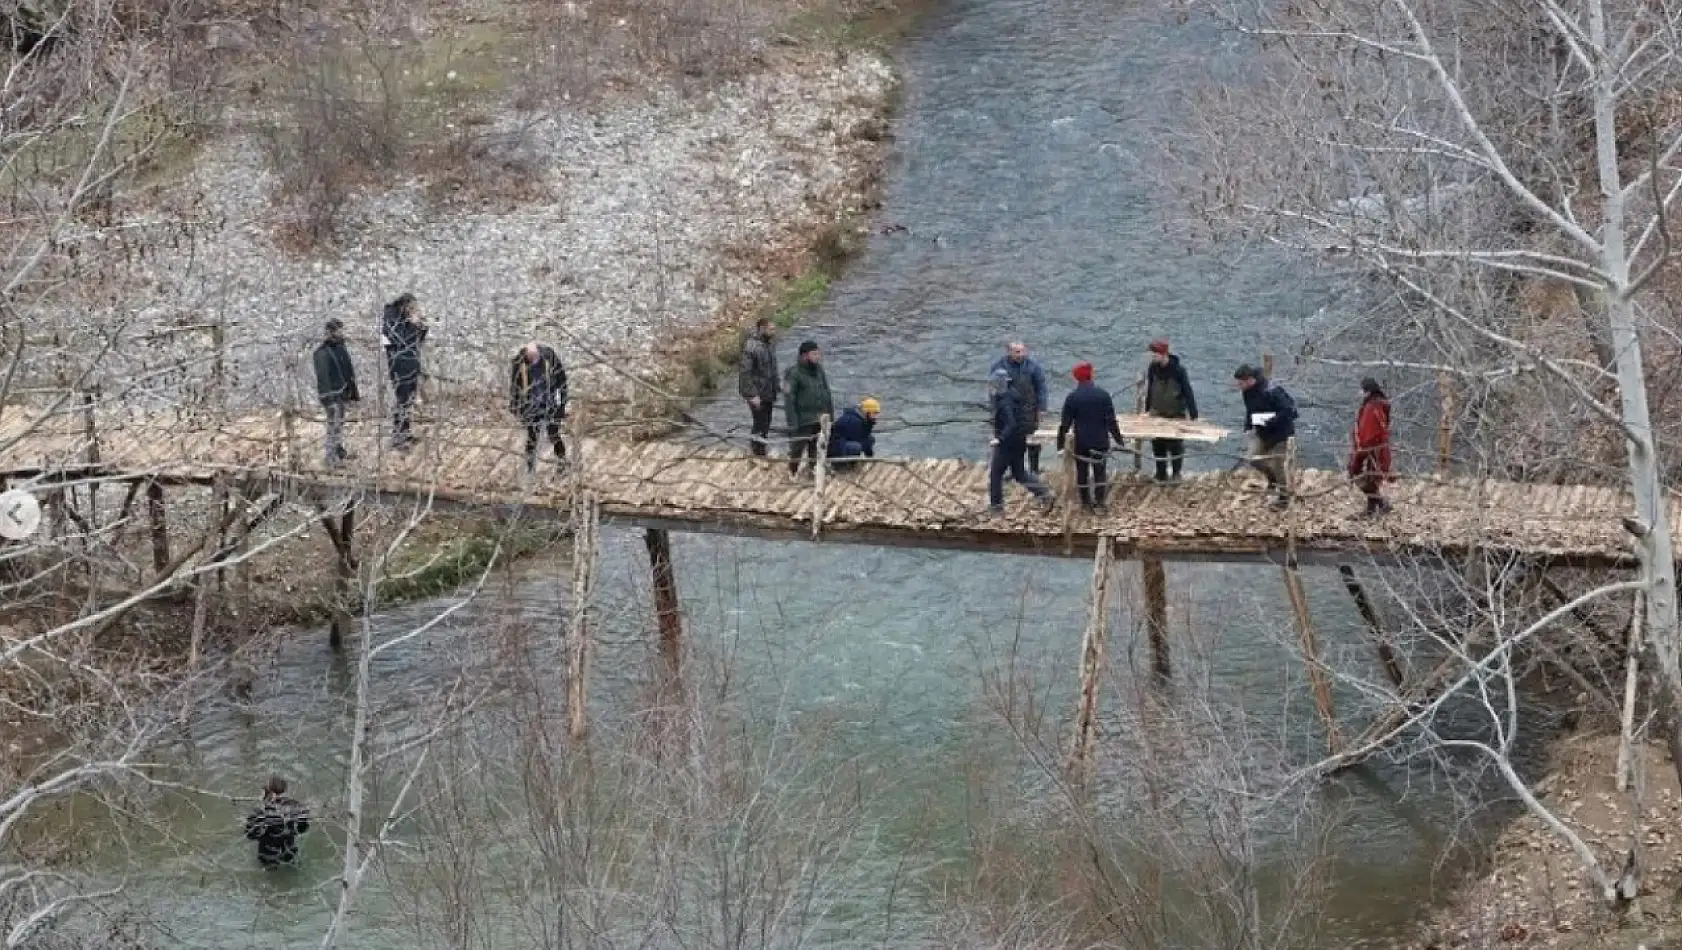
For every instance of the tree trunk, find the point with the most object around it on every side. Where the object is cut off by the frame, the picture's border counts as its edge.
(1654, 548)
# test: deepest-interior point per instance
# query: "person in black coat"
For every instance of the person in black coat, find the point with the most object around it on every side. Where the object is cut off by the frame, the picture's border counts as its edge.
(1014, 419)
(537, 393)
(276, 825)
(1168, 395)
(335, 386)
(402, 332)
(1270, 416)
(1090, 413)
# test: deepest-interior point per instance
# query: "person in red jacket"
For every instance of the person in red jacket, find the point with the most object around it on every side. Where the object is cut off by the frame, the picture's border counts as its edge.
(1369, 461)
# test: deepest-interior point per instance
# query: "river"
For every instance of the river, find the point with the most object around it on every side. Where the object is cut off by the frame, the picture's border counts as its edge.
(1024, 177)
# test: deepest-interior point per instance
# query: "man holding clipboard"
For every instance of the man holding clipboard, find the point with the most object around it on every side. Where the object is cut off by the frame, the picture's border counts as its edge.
(1270, 416)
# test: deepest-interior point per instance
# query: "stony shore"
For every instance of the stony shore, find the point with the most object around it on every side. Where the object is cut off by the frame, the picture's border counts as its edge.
(660, 214)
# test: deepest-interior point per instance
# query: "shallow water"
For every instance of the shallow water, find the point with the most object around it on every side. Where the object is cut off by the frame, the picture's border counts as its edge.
(1024, 174)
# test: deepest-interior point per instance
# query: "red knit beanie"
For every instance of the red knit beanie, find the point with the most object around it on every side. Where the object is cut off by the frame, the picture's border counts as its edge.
(1159, 346)
(1083, 372)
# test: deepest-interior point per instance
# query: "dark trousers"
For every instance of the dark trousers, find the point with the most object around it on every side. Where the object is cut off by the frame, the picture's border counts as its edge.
(1091, 477)
(1169, 453)
(540, 423)
(803, 440)
(1011, 454)
(844, 455)
(404, 387)
(760, 434)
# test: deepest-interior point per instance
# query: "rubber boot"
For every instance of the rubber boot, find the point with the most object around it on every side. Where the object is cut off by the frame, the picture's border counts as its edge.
(1177, 463)
(1161, 470)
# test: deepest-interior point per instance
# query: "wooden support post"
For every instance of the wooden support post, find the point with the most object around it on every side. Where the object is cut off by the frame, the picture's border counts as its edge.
(1445, 422)
(584, 561)
(1071, 491)
(1311, 656)
(820, 472)
(1386, 653)
(1155, 582)
(1092, 663)
(343, 536)
(666, 612)
(156, 517)
(1267, 363)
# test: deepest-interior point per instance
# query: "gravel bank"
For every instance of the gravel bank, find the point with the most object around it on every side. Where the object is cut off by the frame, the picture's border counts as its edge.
(665, 210)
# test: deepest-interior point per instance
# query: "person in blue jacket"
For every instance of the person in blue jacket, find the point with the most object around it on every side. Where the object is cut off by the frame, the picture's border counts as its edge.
(1028, 380)
(1270, 416)
(1012, 425)
(854, 434)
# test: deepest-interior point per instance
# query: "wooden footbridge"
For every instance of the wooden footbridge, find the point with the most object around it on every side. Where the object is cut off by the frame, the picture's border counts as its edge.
(905, 502)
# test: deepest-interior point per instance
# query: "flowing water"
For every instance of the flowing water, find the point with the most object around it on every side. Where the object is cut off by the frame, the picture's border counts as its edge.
(1024, 178)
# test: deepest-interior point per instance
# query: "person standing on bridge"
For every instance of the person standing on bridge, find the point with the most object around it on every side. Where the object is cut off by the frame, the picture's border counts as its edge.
(1369, 459)
(335, 386)
(1270, 416)
(1012, 425)
(402, 332)
(1028, 380)
(854, 434)
(537, 393)
(1168, 395)
(808, 403)
(1090, 412)
(757, 382)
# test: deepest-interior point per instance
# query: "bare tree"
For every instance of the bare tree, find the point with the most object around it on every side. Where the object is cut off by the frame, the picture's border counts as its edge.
(1439, 147)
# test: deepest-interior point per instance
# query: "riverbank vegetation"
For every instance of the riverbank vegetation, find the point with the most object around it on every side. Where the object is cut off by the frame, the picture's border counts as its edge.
(1495, 184)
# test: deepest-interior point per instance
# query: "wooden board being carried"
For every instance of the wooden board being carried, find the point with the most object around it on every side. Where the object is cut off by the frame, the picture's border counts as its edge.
(1137, 426)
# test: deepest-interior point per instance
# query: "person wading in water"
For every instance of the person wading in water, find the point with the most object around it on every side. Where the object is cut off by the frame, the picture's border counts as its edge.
(276, 825)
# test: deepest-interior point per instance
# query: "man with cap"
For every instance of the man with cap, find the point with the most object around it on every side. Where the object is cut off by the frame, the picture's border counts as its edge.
(335, 386)
(1013, 423)
(1270, 416)
(1168, 395)
(537, 395)
(807, 401)
(1090, 412)
(1028, 380)
(854, 434)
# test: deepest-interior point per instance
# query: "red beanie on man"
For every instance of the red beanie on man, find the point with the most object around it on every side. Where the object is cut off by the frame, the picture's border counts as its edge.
(1159, 346)
(1083, 372)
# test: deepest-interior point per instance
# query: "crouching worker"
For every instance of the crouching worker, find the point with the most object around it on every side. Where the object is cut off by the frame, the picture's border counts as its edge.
(537, 393)
(854, 435)
(276, 824)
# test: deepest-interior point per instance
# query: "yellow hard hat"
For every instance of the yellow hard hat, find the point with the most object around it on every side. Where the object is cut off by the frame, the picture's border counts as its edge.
(869, 406)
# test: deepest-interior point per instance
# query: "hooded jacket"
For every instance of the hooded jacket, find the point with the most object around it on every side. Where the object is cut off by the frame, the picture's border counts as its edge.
(757, 375)
(1372, 437)
(1013, 415)
(335, 376)
(538, 389)
(808, 395)
(852, 426)
(275, 825)
(1028, 380)
(1168, 390)
(1268, 396)
(402, 340)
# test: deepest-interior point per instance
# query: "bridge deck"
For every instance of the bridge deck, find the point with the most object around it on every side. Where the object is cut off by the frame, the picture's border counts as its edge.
(935, 503)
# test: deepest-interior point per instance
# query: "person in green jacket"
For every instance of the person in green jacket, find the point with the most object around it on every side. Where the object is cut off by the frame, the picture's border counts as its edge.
(806, 402)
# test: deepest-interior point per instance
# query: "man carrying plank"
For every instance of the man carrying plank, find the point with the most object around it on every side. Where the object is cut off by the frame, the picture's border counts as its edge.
(1168, 395)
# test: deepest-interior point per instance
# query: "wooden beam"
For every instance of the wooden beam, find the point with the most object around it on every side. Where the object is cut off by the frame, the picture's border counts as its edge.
(1155, 582)
(1091, 665)
(1386, 653)
(1372, 739)
(667, 614)
(156, 516)
(1311, 658)
(585, 559)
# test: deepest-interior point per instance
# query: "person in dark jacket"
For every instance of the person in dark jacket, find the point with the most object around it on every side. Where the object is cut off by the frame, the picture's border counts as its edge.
(1168, 395)
(1369, 457)
(276, 824)
(807, 402)
(854, 434)
(757, 382)
(1028, 380)
(1090, 413)
(335, 386)
(401, 333)
(537, 394)
(1270, 416)
(1013, 423)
